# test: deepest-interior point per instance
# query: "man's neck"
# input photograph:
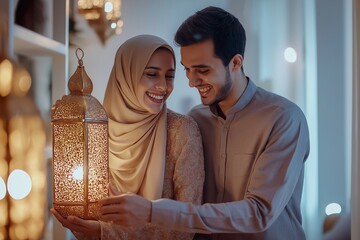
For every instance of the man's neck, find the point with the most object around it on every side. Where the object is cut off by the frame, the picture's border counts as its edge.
(237, 90)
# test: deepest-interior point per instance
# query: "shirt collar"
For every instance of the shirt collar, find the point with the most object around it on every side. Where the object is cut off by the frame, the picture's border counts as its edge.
(244, 99)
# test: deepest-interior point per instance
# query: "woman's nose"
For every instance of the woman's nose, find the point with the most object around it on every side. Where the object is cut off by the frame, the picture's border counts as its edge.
(161, 84)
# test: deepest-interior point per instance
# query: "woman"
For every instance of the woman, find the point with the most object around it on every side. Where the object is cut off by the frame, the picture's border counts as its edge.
(154, 151)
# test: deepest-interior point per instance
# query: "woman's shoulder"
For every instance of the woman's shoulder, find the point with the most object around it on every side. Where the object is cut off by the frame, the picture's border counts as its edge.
(176, 119)
(182, 132)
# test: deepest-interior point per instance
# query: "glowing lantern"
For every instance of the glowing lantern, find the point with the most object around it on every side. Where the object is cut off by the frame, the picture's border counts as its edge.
(22, 165)
(80, 149)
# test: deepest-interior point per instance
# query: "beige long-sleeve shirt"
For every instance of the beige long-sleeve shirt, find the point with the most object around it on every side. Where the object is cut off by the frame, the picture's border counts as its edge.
(254, 164)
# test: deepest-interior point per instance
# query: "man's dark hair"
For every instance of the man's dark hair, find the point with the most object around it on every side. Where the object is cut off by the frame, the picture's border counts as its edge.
(214, 23)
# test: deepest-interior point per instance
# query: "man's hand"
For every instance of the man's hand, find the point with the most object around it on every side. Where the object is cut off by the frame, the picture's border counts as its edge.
(78, 225)
(128, 209)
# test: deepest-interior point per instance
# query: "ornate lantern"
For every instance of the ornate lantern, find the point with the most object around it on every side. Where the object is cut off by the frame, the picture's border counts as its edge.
(80, 149)
(22, 165)
(102, 15)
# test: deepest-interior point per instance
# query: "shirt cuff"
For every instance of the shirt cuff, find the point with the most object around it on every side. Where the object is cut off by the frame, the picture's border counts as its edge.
(164, 212)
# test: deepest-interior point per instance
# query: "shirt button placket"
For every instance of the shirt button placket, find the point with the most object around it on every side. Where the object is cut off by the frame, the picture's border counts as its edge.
(223, 160)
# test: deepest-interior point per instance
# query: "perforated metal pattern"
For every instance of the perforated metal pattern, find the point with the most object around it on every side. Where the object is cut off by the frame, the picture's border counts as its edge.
(68, 156)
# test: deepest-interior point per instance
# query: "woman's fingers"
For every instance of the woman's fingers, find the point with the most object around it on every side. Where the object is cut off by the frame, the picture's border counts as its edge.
(64, 221)
(113, 190)
(110, 209)
(57, 215)
(76, 224)
(111, 217)
(78, 221)
(110, 200)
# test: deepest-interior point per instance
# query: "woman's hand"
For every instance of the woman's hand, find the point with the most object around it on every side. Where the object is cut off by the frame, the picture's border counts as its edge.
(128, 209)
(78, 225)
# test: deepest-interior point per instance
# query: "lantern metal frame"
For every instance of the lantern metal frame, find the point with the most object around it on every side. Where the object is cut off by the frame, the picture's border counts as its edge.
(80, 149)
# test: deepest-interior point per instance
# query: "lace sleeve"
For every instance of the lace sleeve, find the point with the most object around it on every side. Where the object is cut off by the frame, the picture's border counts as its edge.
(81, 236)
(148, 232)
(112, 231)
(189, 172)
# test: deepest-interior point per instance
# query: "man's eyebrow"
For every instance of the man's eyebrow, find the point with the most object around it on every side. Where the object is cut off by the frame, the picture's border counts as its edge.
(197, 66)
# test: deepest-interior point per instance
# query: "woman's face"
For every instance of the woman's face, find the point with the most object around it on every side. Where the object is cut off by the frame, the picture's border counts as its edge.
(157, 81)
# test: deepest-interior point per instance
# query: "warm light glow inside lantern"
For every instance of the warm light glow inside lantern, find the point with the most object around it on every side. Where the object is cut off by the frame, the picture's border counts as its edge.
(22, 165)
(80, 149)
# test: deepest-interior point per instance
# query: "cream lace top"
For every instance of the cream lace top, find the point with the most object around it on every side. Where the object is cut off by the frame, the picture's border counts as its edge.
(183, 179)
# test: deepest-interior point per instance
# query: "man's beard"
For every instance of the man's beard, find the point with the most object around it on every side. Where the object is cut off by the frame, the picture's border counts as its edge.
(224, 90)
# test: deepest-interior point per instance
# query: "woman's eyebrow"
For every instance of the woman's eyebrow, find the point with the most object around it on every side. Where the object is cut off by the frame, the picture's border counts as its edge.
(157, 68)
(151, 67)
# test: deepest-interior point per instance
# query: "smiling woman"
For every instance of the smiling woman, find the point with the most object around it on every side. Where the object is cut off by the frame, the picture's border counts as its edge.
(154, 152)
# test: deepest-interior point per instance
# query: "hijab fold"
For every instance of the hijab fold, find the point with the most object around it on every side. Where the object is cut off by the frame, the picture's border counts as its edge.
(137, 138)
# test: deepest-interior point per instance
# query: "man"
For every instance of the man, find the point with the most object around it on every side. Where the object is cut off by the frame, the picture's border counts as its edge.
(255, 142)
(255, 146)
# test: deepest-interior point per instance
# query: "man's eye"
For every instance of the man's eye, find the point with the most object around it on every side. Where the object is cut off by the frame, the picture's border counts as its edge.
(203, 71)
(170, 77)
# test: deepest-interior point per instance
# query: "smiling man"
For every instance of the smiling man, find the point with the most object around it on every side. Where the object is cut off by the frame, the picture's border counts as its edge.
(255, 142)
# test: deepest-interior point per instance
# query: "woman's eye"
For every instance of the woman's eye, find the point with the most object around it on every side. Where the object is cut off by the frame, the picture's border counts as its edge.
(170, 77)
(151, 74)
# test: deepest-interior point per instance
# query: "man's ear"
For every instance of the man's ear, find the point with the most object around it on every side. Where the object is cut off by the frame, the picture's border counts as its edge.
(236, 62)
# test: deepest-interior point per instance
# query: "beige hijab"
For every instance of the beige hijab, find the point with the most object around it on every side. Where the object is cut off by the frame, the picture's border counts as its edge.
(137, 138)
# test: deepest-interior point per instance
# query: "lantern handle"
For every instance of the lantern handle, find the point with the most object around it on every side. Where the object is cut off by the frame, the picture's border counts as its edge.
(79, 58)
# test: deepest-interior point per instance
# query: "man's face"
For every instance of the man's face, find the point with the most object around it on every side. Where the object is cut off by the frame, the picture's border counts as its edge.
(206, 72)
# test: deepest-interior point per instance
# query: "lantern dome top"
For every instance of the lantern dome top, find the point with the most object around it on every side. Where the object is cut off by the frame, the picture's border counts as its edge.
(79, 82)
(79, 105)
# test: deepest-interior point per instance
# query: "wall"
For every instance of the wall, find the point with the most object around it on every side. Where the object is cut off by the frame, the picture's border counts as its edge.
(332, 104)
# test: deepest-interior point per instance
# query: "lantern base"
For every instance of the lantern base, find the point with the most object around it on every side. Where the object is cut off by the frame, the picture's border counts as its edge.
(90, 211)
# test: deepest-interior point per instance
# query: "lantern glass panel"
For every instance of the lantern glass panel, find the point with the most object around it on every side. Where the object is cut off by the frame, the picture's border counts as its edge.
(97, 154)
(69, 149)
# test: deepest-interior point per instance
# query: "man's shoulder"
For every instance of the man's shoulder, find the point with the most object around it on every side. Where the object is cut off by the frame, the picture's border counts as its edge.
(272, 99)
(279, 108)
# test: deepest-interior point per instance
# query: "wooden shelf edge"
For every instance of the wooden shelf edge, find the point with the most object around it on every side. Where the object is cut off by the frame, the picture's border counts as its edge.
(29, 43)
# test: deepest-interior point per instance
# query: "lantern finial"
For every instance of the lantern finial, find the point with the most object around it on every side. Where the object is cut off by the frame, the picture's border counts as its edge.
(80, 82)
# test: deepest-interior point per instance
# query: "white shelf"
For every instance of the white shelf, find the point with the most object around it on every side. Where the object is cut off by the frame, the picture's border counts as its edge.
(27, 42)
(23, 41)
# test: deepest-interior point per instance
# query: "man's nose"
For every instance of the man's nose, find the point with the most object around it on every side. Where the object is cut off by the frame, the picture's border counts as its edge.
(193, 80)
